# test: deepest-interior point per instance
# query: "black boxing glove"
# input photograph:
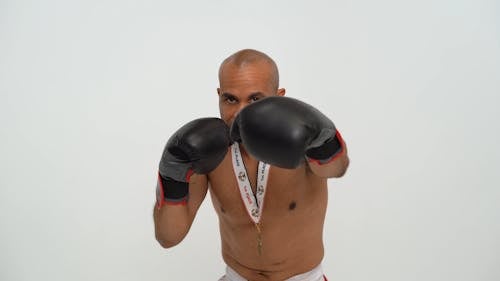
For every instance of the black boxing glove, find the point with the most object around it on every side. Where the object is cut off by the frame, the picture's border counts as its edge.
(199, 147)
(281, 131)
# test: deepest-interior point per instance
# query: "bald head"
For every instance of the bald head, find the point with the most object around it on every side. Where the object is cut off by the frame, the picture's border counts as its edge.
(248, 57)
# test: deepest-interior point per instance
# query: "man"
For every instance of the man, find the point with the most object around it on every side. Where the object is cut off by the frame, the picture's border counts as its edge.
(266, 163)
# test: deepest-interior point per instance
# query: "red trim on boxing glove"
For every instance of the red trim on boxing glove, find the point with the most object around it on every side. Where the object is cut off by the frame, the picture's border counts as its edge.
(189, 173)
(335, 155)
(160, 201)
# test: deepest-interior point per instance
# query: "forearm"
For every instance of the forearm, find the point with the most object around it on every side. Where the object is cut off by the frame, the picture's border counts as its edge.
(334, 169)
(172, 223)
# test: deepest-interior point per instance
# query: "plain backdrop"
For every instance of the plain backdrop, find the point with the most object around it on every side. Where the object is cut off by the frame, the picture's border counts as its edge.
(90, 91)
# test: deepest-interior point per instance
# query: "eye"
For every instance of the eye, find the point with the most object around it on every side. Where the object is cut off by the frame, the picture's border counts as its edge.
(254, 98)
(231, 100)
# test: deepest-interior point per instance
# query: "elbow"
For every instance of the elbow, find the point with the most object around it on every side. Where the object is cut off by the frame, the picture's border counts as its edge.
(167, 243)
(167, 234)
(168, 239)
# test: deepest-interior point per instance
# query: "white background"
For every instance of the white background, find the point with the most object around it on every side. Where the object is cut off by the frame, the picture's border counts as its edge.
(91, 90)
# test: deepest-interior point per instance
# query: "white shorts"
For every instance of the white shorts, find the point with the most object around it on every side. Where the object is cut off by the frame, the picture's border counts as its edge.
(316, 274)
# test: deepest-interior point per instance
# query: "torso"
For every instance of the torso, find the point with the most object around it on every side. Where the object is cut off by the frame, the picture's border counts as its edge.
(291, 223)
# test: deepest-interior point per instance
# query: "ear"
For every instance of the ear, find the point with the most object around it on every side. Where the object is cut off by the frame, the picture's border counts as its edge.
(281, 92)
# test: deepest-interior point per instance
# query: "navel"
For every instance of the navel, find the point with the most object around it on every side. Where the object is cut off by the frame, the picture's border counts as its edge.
(292, 206)
(222, 209)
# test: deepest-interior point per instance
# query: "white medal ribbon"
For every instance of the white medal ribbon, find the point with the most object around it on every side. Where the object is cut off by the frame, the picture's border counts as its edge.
(254, 204)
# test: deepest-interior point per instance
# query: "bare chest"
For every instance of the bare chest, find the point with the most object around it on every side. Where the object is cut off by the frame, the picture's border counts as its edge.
(288, 193)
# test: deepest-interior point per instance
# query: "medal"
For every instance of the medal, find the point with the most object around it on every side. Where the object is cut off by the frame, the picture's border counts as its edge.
(259, 238)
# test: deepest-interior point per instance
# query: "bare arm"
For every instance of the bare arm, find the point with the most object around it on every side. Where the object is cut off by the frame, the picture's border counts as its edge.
(172, 222)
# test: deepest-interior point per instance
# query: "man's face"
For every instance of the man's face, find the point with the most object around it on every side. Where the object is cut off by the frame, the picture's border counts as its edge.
(240, 86)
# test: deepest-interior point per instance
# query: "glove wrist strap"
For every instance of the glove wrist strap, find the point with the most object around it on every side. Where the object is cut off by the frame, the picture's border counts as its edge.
(327, 152)
(171, 192)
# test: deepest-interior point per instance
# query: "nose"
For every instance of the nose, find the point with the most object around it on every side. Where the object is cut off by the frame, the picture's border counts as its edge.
(236, 112)
(240, 107)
